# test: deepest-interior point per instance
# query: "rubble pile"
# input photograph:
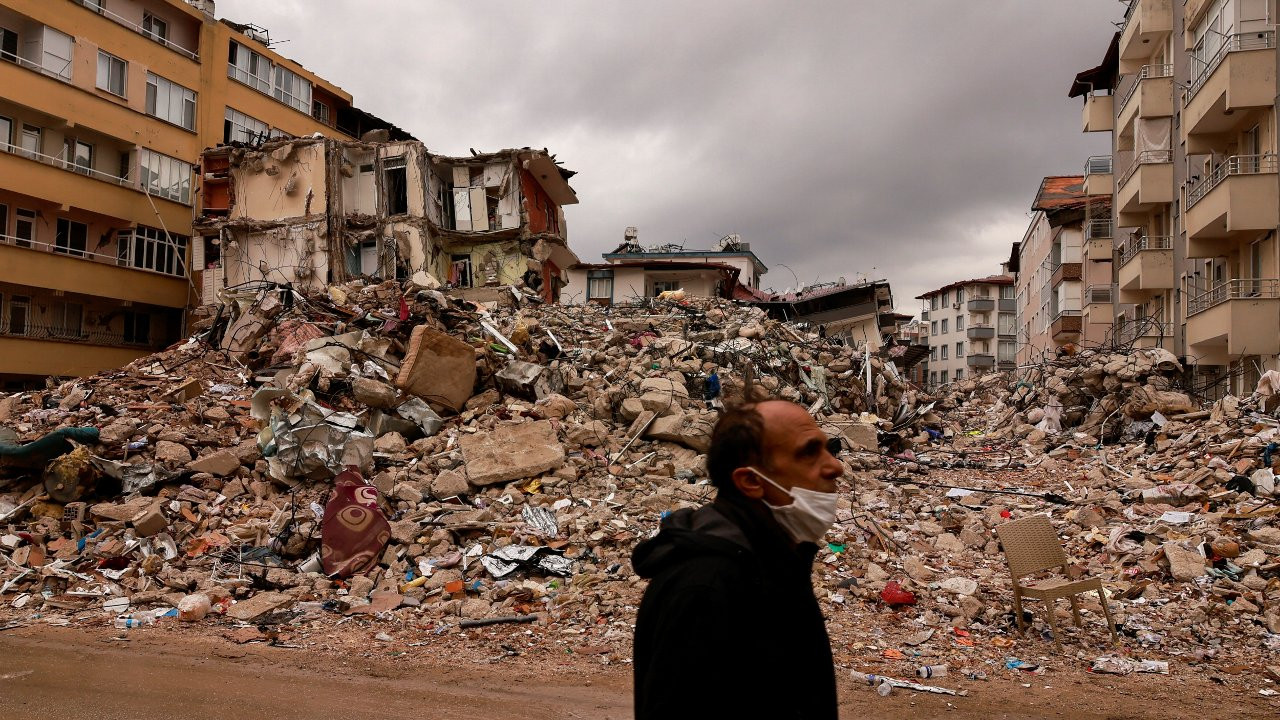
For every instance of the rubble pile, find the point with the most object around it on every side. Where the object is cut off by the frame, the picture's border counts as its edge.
(516, 452)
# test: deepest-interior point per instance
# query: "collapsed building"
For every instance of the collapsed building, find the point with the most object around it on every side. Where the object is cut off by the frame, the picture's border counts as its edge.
(311, 212)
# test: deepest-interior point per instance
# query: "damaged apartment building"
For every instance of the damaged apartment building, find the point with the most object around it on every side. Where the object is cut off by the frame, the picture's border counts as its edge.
(311, 212)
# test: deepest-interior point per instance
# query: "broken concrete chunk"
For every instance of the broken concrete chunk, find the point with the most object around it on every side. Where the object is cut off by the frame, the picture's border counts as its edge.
(220, 463)
(862, 437)
(374, 393)
(150, 522)
(1184, 564)
(172, 453)
(255, 607)
(512, 451)
(449, 484)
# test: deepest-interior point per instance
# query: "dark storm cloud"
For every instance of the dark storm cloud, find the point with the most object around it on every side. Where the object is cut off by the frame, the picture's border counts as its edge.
(835, 137)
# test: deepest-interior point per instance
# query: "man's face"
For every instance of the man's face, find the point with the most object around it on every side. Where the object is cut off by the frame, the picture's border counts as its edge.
(795, 453)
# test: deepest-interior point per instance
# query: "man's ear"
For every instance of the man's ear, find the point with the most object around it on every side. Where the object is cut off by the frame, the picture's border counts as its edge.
(748, 483)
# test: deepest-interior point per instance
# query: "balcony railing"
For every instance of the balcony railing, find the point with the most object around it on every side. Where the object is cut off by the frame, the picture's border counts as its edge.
(1147, 71)
(83, 254)
(1234, 165)
(63, 163)
(1129, 330)
(97, 9)
(1098, 229)
(1134, 245)
(1098, 295)
(81, 334)
(1146, 157)
(1098, 165)
(1232, 43)
(62, 74)
(1235, 289)
(1066, 314)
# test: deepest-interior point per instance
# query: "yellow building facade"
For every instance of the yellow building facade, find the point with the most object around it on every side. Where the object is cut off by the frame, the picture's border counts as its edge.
(105, 107)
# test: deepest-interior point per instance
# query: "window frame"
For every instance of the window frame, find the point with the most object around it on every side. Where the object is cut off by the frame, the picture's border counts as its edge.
(291, 89)
(246, 75)
(186, 98)
(25, 217)
(64, 237)
(165, 168)
(238, 123)
(161, 37)
(124, 74)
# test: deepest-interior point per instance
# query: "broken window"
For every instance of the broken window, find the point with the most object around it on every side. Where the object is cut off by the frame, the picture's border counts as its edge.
(56, 57)
(238, 127)
(71, 238)
(165, 176)
(460, 270)
(395, 185)
(320, 112)
(661, 286)
(24, 227)
(137, 328)
(8, 45)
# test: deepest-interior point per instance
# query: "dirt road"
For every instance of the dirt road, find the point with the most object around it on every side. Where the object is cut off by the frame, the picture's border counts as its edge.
(71, 674)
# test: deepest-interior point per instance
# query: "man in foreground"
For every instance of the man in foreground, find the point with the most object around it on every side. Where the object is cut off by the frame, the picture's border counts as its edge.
(729, 626)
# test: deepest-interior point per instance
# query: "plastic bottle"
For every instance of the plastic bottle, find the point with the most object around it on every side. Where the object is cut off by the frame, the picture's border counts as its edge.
(931, 671)
(881, 684)
(135, 620)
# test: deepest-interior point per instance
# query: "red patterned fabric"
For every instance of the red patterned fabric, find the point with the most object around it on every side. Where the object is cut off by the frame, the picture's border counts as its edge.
(354, 531)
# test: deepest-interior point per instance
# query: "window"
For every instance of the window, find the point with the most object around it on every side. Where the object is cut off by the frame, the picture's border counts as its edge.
(155, 28)
(165, 176)
(24, 227)
(4, 223)
(292, 89)
(6, 134)
(238, 127)
(8, 45)
(1006, 350)
(171, 102)
(933, 378)
(1006, 292)
(943, 353)
(944, 326)
(946, 299)
(94, 5)
(933, 354)
(959, 323)
(933, 327)
(320, 112)
(933, 302)
(959, 373)
(66, 319)
(71, 238)
(78, 156)
(19, 314)
(111, 73)
(1006, 323)
(56, 59)
(600, 286)
(942, 377)
(396, 185)
(148, 248)
(30, 140)
(460, 270)
(137, 328)
(249, 67)
(661, 286)
(959, 350)
(959, 299)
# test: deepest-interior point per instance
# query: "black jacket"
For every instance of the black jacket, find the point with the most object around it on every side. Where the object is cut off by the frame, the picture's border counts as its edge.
(729, 626)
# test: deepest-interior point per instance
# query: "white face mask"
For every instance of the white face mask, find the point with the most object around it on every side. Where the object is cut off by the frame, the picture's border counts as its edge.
(810, 514)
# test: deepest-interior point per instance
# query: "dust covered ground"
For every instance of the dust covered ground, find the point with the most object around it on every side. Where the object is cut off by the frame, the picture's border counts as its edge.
(163, 672)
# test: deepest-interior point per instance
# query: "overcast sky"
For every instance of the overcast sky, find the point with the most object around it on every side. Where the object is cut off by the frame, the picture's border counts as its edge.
(890, 139)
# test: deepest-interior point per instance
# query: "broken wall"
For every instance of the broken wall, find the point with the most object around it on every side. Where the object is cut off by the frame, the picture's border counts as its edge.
(288, 181)
(296, 254)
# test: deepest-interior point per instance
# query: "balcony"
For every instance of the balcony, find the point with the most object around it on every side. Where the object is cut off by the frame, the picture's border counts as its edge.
(1098, 176)
(1008, 304)
(981, 304)
(1099, 113)
(1239, 199)
(980, 360)
(1237, 317)
(980, 332)
(1149, 95)
(45, 176)
(150, 34)
(41, 265)
(1098, 295)
(1099, 239)
(33, 355)
(1146, 266)
(1144, 333)
(1241, 74)
(1146, 183)
(1098, 305)
(1146, 23)
(1063, 272)
(1066, 326)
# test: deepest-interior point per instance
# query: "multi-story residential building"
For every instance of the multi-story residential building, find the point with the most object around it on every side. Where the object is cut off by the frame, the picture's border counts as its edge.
(310, 212)
(105, 106)
(972, 328)
(1055, 281)
(861, 313)
(634, 273)
(1188, 93)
